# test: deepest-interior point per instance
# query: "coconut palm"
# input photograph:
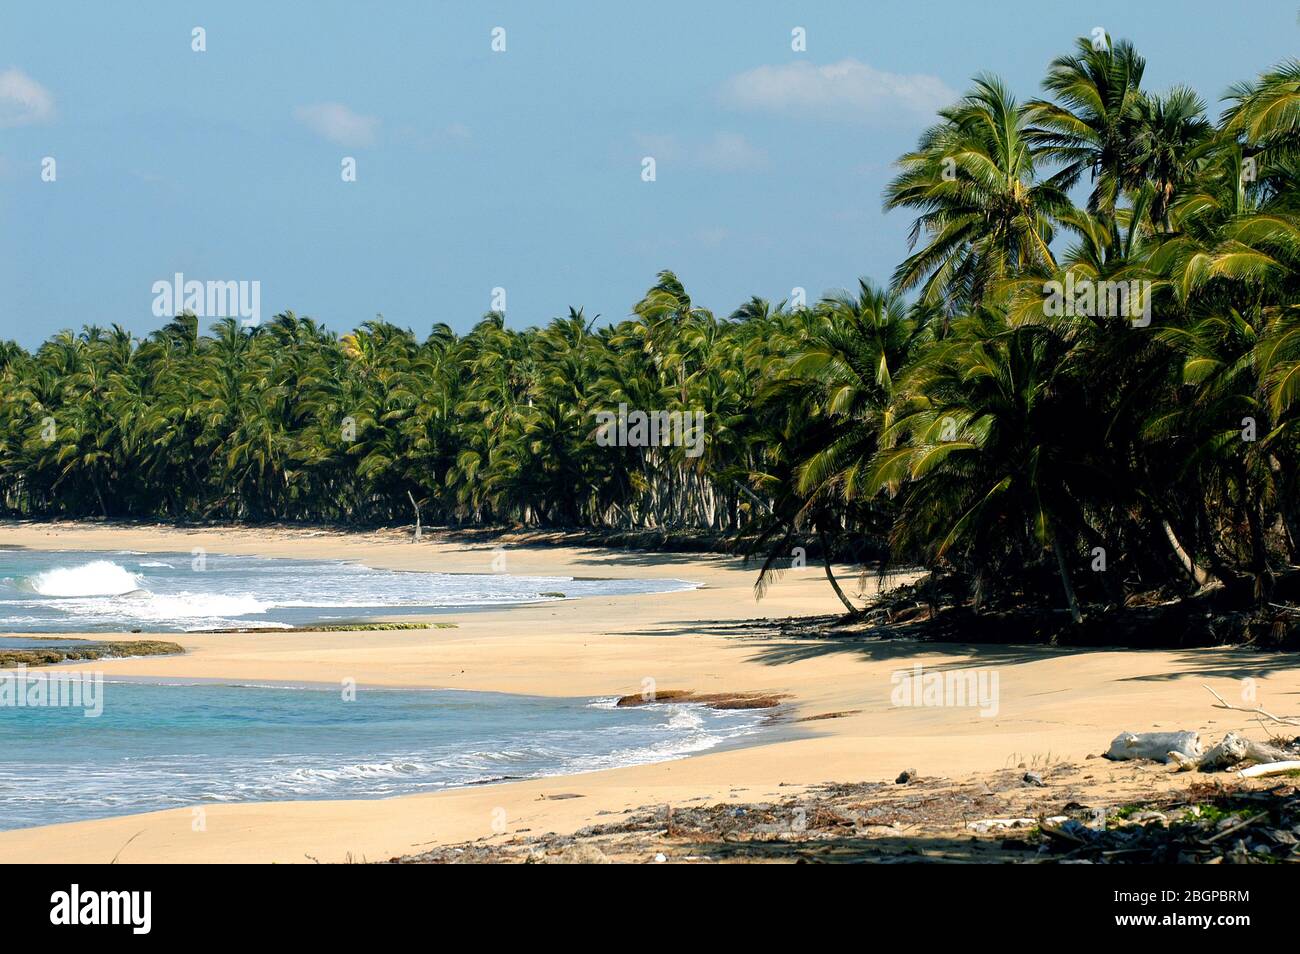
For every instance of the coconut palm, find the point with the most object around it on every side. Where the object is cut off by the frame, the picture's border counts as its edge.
(1089, 127)
(985, 213)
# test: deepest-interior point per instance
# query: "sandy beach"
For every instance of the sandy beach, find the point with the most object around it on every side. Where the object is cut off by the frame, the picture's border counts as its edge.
(1055, 705)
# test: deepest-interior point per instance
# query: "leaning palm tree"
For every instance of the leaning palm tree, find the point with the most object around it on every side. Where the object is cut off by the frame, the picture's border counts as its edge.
(839, 381)
(991, 456)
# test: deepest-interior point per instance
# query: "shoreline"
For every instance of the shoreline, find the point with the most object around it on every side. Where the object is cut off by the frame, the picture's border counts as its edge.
(742, 730)
(1057, 705)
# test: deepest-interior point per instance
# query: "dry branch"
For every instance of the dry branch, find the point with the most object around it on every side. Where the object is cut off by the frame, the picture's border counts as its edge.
(1281, 720)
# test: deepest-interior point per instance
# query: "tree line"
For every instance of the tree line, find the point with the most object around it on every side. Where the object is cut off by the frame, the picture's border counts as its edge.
(964, 416)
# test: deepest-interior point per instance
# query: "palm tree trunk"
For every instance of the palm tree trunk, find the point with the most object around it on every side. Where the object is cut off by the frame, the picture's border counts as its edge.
(1258, 554)
(830, 575)
(103, 508)
(1199, 576)
(1065, 582)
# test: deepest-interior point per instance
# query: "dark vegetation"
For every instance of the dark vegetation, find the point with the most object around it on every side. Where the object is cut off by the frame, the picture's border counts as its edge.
(1037, 462)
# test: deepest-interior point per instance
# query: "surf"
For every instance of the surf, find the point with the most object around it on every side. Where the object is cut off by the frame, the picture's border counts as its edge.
(97, 578)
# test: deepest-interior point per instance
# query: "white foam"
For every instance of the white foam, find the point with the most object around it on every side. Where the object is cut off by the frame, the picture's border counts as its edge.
(98, 578)
(157, 606)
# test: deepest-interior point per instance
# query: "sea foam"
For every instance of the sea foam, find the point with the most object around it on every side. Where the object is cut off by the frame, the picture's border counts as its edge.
(97, 578)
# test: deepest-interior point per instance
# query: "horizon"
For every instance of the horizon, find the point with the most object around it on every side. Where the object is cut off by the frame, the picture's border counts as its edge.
(479, 171)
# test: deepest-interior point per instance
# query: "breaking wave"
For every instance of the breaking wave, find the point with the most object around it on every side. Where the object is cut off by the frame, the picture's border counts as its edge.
(97, 578)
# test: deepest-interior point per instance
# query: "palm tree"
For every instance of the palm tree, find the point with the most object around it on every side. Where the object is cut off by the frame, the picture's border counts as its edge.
(1090, 127)
(971, 429)
(984, 214)
(992, 460)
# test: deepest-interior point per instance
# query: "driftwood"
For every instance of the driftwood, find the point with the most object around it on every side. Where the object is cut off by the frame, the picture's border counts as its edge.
(1183, 749)
(1157, 746)
(1235, 749)
(1270, 768)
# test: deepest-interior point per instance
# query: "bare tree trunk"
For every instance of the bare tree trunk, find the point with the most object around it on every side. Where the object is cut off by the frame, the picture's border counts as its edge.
(1258, 554)
(1199, 576)
(826, 562)
(417, 513)
(103, 508)
(1065, 582)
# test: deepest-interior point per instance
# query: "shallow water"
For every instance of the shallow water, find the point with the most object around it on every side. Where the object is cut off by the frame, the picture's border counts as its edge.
(164, 746)
(84, 591)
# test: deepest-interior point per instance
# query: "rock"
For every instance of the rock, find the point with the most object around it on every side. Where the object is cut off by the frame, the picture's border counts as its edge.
(907, 776)
(1033, 778)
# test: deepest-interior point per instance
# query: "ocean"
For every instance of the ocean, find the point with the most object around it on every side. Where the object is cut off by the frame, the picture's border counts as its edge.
(156, 746)
(61, 591)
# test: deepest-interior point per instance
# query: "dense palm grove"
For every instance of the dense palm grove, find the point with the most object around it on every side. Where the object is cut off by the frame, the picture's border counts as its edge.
(954, 417)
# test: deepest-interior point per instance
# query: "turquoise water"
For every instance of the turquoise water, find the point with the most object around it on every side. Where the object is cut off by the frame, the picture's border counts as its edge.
(168, 746)
(54, 591)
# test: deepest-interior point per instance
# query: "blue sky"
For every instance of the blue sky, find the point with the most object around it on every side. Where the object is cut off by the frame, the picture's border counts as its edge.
(518, 169)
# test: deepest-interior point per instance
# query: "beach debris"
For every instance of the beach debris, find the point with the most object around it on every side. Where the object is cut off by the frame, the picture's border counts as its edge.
(714, 700)
(1236, 827)
(905, 777)
(1141, 818)
(1155, 746)
(1270, 768)
(577, 853)
(991, 824)
(1235, 749)
(1069, 829)
(1255, 710)
(828, 715)
(1183, 750)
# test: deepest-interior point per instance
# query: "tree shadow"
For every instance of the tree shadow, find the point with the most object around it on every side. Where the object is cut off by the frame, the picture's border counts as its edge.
(796, 639)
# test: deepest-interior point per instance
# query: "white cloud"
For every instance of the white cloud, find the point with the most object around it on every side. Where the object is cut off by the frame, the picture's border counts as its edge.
(23, 100)
(722, 152)
(849, 89)
(729, 152)
(338, 123)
